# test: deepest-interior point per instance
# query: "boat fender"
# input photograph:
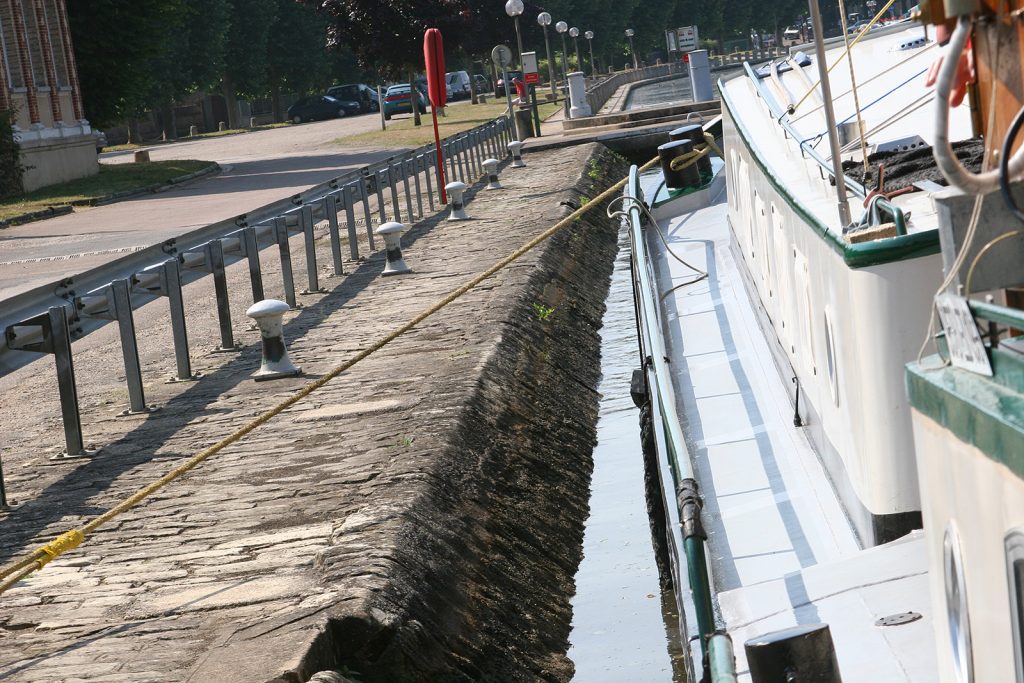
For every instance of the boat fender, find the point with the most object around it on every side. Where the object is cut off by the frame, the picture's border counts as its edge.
(690, 503)
(638, 388)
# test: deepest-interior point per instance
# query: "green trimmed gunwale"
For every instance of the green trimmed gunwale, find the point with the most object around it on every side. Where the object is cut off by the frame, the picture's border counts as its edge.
(861, 255)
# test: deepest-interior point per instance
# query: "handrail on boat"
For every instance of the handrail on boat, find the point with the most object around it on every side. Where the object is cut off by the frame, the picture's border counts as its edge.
(685, 530)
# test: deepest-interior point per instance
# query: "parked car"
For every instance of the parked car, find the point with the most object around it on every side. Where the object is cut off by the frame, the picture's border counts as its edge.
(320, 107)
(398, 101)
(364, 95)
(499, 90)
(459, 85)
(421, 85)
(791, 37)
(481, 83)
(101, 140)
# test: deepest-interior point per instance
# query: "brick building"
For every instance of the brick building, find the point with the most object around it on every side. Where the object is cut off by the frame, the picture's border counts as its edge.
(39, 81)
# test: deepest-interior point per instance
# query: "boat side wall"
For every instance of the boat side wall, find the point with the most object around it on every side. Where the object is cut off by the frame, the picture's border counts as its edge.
(845, 331)
(984, 499)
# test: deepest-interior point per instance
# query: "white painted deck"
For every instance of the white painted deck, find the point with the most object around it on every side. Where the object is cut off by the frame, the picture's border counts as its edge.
(781, 549)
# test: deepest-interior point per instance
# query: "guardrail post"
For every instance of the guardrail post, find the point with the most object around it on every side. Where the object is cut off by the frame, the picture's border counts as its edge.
(331, 211)
(405, 186)
(306, 224)
(250, 245)
(417, 166)
(48, 333)
(428, 163)
(215, 259)
(4, 505)
(281, 237)
(364, 194)
(129, 349)
(349, 194)
(165, 280)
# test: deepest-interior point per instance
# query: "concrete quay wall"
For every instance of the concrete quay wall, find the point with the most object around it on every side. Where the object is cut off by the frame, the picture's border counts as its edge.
(418, 518)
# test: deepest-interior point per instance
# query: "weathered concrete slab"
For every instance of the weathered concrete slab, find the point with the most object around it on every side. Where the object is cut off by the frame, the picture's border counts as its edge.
(419, 518)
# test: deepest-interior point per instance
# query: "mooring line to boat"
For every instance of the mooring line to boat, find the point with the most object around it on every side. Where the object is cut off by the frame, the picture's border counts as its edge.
(853, 87)
(14, 572)
(846, 52)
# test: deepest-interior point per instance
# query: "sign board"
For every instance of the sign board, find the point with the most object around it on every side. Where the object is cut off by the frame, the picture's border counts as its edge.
(966, 349)
(687, 38)
(671, 42)
(501, 56)
(531, 75)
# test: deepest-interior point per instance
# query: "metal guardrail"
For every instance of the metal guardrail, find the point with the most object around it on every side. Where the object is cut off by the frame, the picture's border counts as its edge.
(599, 93)
(685, 534)
(46, 320)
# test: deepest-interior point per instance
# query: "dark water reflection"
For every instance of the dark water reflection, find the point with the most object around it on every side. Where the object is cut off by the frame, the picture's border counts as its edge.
(619, 625)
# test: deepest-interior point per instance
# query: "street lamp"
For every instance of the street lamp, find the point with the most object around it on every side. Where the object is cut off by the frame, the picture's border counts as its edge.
(629, 34)
(562, 27)
(574, 34)
(589, 35)
(544, 19)
(514, 8)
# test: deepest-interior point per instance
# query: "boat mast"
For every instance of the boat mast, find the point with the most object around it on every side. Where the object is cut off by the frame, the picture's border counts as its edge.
(830, 114)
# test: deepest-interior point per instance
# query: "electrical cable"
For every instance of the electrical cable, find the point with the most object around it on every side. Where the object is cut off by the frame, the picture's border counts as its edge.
(1004, 167)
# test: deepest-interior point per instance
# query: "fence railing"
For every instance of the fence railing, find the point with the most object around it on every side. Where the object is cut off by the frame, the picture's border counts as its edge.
(46, 320)
(600, 92)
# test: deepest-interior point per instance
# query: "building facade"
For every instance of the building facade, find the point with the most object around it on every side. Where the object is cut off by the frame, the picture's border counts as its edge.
(39, 82)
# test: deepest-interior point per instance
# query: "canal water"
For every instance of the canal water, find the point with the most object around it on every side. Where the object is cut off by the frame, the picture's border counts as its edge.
(619, 630)
(664, 92)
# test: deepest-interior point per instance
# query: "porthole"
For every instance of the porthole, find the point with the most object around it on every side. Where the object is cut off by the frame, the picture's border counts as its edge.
(830, 357)
(956, 607)
(1015, 577)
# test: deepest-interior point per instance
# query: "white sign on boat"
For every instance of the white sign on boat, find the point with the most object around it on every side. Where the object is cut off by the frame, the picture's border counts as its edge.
(966, 349)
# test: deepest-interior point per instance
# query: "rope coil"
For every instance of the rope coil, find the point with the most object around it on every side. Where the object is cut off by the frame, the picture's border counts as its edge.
(14, 572)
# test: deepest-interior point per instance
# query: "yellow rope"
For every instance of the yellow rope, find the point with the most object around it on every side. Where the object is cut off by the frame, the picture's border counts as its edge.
(16, 571)
(690, 158)
(846, 52)
(853, 86)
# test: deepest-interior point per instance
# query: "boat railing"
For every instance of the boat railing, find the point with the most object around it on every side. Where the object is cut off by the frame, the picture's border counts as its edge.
(779, 114)
(685, 535)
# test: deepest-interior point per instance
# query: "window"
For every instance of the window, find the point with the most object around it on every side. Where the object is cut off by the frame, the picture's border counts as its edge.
(60, 64)
(35, 46)
(9, 47)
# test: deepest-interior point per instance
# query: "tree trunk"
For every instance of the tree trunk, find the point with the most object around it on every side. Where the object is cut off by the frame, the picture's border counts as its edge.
(414, 100)
(275, 103)
(167, 122)
(134, 137)
(231, 101)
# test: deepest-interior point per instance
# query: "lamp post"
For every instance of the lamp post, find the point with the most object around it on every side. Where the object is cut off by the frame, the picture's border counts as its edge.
(562, 27)
(514, 8)
(629, 34)
(544, 19)
(589, 35)
(574, 33)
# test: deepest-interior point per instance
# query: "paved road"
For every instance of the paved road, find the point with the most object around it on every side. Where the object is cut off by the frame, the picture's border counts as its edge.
(259, 168)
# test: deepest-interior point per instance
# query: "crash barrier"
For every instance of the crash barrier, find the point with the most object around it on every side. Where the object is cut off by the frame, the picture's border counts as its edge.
(47, 320)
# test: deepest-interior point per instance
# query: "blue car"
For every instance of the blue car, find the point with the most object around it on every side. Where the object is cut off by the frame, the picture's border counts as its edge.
(321, 107)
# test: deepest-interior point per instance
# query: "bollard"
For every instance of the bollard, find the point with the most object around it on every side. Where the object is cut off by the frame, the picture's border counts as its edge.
(392, 234)
(193, 131)
(491, 167)
(455, 191)
(142, 156)
(516, 147)
(801, 653)
(222, 126)
(268, 314)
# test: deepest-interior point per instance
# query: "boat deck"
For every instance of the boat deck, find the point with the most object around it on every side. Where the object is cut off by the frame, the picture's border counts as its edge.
(782, 551)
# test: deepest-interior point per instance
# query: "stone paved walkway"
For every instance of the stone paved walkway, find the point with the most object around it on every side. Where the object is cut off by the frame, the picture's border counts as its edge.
(213, 578)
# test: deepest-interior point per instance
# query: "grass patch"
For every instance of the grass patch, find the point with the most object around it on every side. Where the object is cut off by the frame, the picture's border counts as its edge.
(402, 133)
(112, 178)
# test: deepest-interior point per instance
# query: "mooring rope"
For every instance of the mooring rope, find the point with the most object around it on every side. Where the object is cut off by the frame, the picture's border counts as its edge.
(16, 571)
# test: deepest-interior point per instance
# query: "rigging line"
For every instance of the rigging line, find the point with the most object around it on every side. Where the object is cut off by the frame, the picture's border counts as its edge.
(882, 97)
(846, 52)
(863, 83)
(980, 254)
(895, 118)
(856, 95)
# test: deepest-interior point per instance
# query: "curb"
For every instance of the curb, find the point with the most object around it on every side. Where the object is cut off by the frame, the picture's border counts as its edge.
(64, 209)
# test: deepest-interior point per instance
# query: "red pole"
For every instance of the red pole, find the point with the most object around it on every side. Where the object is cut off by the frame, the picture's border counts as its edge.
(440, 157)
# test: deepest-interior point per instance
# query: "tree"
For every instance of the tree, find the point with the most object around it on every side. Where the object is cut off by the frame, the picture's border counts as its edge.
(115, 43)
(246, 52)
(297, 57)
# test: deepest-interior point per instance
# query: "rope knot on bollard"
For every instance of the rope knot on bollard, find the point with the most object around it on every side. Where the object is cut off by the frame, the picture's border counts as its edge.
(275, 364)
(455, 191)
(491, 166)
(392, 234)
(516, 149)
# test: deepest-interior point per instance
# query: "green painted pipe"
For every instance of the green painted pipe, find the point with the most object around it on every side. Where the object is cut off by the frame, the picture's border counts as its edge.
(697, 570)
(721, 660)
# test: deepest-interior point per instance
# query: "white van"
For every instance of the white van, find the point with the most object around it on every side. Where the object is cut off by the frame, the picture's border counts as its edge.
(791, 37)
(459, 83)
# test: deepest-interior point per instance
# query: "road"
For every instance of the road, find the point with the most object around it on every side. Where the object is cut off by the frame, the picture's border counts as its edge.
(259, 168)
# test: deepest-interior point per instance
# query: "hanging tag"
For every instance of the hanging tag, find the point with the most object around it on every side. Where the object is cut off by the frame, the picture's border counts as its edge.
(966, 350)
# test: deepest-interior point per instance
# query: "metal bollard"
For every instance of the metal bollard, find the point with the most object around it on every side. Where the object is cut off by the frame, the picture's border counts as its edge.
(515, 147)
(455, 190)
(275, 364)
(392, 234)
(491, 167)
(793, 654)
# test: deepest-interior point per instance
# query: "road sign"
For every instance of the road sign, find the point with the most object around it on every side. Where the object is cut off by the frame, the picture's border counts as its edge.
(687, 38)
(530, 71)
(501, 56)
